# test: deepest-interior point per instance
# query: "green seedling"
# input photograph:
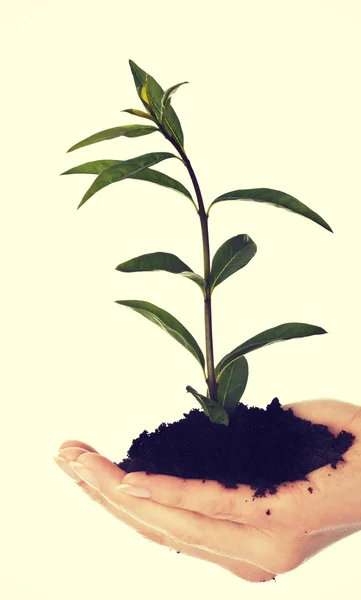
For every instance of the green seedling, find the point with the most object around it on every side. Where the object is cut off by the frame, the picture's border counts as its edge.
(227, 381)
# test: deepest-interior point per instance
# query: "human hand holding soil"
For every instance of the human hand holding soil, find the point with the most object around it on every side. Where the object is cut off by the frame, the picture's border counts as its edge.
(254, 538)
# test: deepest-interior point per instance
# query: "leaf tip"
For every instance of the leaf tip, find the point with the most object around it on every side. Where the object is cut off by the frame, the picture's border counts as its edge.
(325, 225)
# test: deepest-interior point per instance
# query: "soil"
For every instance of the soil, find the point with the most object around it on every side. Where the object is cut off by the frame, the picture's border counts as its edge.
(263, 448)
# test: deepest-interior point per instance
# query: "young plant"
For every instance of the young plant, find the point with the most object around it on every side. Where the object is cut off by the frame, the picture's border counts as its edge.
(227, 381)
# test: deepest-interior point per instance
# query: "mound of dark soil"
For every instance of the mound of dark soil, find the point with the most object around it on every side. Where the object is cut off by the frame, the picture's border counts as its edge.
(260, 447)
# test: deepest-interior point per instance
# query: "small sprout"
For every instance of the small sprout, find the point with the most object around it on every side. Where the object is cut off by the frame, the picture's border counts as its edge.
(227, 381)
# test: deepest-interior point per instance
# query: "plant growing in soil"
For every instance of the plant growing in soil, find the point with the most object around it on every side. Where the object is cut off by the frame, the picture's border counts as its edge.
(201, 444)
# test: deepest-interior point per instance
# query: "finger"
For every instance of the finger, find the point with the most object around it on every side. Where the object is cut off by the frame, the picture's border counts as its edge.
(239, 568)
(223, 538)
(69, 451)
(206, 497)
(69, 454)
(63, 458)
(335, 414)
(76, 444)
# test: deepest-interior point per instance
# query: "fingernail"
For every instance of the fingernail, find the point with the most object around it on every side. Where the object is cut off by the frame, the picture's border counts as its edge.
(85, 474)
(71, 454)
(65, 466)
(133, 491)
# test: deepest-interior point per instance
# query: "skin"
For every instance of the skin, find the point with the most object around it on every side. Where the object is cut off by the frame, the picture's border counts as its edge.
(224, 526)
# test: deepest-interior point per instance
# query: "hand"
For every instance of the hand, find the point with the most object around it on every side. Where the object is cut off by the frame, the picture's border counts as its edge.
(224, 526)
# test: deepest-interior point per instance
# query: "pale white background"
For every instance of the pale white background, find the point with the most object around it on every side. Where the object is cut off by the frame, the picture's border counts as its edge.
(273, 101)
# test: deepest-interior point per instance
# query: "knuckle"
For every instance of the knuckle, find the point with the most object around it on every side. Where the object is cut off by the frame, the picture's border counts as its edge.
(176, 500)
(221, 507)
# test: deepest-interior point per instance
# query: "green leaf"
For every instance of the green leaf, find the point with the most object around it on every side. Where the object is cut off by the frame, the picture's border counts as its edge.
(233, 255)
(154, 94)
(109, 134)
(154, 176)
(138, 113)
(161, 261)
(123, 170)
(144, 96)
(213, 410)
(232, 383)
(276, 198)
(198, 279)
(98, 166)
(165, 102)
(94, 167)
(169, 324)
(286, 331)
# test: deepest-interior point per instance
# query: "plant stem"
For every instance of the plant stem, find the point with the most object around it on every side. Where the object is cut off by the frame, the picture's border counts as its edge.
(211, 379)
